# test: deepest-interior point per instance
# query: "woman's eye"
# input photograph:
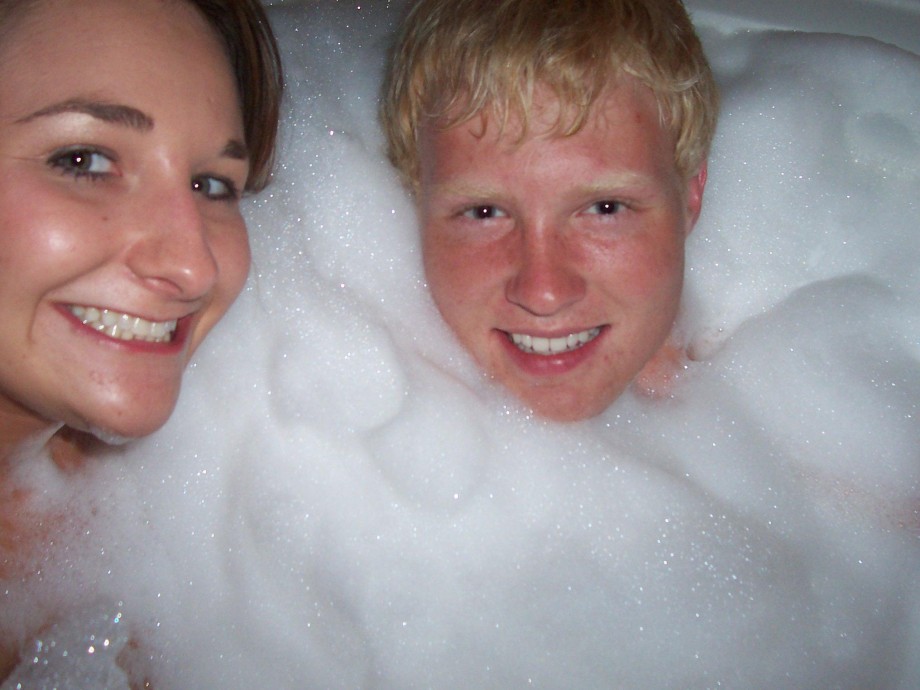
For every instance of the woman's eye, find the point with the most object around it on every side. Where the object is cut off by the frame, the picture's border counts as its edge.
(605, 208)
(83, 162)
(215, 188)
(484, 212)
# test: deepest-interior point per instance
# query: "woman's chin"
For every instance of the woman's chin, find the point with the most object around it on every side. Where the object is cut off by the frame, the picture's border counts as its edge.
(114, 438)
(118, 429)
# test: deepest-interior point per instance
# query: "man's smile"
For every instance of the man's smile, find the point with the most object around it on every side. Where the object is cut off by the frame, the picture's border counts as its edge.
(537, 345)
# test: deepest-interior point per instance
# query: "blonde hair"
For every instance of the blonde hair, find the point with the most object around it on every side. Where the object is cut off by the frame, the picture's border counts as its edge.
(455, 59)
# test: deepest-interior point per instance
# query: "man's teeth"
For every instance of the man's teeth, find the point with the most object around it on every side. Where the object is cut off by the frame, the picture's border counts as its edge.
(124, 326)
(553, 346)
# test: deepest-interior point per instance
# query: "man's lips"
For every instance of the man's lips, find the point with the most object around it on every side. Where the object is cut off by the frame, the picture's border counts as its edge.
(124, 326)
(539, 345)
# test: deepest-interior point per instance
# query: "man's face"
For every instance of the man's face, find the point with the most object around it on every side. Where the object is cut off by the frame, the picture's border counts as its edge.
(558, 261)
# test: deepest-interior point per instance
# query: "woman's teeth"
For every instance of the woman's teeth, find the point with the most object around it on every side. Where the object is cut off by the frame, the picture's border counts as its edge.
(534, 345)
(124, 326)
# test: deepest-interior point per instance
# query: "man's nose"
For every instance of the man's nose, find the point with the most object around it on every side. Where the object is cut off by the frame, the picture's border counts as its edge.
(172, 251)
(546, 279)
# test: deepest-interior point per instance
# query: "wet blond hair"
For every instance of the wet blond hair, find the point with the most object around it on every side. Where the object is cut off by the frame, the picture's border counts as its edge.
(456, 59)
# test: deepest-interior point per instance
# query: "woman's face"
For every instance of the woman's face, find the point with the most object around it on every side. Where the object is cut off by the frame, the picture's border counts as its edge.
(121, 239)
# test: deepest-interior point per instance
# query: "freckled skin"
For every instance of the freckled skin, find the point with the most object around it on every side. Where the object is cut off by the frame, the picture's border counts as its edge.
(518, 237)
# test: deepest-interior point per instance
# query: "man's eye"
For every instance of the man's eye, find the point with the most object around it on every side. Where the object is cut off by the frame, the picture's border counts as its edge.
(215, 188)
(605, 208)
(484, 212)
(82, 162)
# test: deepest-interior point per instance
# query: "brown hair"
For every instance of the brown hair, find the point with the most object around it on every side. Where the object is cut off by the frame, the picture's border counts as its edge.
(253, 52)
(454, 59)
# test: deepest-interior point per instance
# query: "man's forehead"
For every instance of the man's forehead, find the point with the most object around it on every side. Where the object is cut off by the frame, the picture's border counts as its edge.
(546, 113)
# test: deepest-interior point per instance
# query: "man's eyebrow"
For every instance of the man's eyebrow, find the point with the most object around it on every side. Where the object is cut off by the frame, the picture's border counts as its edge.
(627, 178)
(462, 189)
(107, 112)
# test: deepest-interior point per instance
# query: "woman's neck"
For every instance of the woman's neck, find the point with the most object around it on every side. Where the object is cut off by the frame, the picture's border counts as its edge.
(70, 449)
(67, 447)
(18, 426)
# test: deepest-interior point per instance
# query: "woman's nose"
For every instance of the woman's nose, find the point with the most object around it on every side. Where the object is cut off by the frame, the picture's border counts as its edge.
(172, 252)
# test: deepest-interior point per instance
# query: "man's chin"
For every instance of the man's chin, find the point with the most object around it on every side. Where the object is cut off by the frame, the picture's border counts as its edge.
(565, 404)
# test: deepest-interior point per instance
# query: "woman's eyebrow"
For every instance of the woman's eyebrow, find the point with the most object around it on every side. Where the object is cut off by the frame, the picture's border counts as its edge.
(235, 149)
(120, 115)
(107, 112)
